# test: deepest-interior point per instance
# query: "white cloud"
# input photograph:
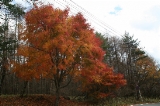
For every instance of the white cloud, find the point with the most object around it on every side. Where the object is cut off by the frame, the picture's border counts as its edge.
(149, 20)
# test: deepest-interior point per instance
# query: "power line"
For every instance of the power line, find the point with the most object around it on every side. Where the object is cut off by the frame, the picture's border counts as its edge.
(76, 9)
(95, 18)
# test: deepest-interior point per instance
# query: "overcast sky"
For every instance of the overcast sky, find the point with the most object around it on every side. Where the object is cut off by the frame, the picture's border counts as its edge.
(140, 18)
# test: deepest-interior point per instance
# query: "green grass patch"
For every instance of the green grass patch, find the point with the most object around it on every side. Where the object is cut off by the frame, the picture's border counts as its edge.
(128, 101)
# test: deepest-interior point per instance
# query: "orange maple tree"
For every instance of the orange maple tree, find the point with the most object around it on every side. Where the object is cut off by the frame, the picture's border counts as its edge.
(58, 46)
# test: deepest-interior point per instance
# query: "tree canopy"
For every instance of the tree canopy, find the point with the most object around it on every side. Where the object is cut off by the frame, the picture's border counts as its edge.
(58, 46)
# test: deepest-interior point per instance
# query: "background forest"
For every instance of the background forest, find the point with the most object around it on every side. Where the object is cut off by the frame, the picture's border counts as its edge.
(46, 51)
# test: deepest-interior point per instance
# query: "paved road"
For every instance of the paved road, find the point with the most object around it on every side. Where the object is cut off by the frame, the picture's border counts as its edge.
(147, 104)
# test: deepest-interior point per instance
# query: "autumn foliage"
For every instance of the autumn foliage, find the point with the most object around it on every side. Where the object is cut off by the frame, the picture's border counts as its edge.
(58, 46)
(102, 84)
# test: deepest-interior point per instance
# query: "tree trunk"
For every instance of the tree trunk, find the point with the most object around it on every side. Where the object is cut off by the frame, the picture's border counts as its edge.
(2, 79)
(138, 93)
(57, 97)
(24, 88)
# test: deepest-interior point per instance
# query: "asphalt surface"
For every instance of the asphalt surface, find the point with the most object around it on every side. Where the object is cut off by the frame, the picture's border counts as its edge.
(147, 104)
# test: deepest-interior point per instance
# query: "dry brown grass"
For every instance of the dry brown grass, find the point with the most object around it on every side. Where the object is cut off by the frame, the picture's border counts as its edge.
(37, 100)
